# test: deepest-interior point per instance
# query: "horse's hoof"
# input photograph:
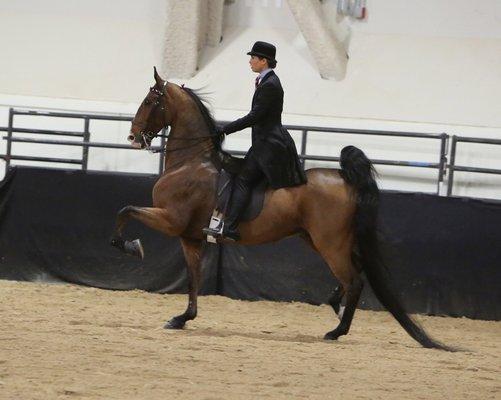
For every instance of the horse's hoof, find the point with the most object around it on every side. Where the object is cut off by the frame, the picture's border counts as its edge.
(332, 335)
(134, 248)
(174, 323)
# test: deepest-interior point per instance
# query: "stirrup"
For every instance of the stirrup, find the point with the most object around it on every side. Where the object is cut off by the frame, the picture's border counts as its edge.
(215, 229)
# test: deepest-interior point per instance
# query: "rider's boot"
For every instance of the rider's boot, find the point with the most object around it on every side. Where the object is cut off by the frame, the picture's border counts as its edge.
(222, 231)
(231, 233)
(239, 199)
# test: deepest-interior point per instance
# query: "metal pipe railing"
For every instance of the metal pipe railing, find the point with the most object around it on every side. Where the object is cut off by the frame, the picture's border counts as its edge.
(75, 143)
(42, 159)
(9, 139)
(442, 165)
(304, 139)
(106, 117)
(442, 171)
(304, 142)
(85, 135)
(86, 140)
(365, 131)
(45, 132)
(461, 168)
(161, 161)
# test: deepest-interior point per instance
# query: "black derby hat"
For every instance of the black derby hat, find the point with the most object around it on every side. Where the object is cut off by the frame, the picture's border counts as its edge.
(263, 49)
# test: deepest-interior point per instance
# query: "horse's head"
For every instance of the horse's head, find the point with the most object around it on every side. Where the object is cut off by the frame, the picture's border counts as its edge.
(152, 115)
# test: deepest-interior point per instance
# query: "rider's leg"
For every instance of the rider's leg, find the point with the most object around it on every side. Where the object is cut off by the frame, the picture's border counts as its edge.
(248, 177)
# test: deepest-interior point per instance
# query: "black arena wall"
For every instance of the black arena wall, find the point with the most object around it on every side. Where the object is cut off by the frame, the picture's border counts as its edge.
(443, 253)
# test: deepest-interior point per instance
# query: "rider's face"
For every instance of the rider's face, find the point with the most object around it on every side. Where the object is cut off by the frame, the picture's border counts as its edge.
(258, 64)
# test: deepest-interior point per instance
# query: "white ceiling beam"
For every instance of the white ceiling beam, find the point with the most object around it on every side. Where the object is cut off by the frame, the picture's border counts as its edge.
(181, 39)
(191, 24)
(214, 22)
(325, 47)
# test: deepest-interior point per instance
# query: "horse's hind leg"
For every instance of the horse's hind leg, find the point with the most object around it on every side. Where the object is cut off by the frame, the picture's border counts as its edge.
(353, 290)
(335, 301)
(338, 257)
(192, 251)
(155, 218)
(338, 293)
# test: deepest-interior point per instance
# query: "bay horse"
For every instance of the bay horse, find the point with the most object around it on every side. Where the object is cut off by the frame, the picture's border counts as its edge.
(335, 211)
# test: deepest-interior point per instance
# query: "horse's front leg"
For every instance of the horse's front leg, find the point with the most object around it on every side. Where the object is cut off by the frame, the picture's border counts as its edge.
(192, 252)
(156, 218)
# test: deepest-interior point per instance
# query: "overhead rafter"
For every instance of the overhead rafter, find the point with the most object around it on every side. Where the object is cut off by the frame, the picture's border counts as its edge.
(191, 24)
(327, 50)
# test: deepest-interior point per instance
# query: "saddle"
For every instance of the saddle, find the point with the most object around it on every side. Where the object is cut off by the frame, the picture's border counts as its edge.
(229, 167)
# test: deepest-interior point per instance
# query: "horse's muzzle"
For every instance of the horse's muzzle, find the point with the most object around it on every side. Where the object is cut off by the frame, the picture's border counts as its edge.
(132, 139)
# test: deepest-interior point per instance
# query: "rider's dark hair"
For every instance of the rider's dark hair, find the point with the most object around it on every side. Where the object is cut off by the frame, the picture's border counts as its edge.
(271, 63)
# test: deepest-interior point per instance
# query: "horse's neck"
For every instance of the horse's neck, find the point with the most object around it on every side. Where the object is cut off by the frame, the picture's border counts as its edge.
(188, 143)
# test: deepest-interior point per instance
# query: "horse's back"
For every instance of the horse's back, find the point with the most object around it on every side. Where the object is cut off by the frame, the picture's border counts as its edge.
(325, 178)
(324, 200)
(327, 189)
(324, 184)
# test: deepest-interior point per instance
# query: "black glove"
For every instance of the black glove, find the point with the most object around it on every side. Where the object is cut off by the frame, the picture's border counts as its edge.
(220, 133)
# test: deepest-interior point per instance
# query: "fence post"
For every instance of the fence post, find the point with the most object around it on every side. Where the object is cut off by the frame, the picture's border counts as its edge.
(443, 161)
(9, 137)
(85, 149)
(304, 137)
(162, 153)
(450, 181)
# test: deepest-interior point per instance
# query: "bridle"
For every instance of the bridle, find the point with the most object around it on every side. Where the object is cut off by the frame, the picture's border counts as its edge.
(144, 137)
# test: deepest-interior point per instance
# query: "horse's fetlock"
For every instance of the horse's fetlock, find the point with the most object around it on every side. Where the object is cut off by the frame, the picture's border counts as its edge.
(190, 315)
(127, 210)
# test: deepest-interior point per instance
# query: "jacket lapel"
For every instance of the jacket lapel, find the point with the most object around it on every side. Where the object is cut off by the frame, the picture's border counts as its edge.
(266, 77)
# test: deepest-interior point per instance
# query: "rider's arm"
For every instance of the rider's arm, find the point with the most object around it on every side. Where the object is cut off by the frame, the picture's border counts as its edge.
(265, 97)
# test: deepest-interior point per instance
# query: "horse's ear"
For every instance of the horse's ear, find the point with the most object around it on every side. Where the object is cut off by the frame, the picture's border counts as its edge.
(158, 80)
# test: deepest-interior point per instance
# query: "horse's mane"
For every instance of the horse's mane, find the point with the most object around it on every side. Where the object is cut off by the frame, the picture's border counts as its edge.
(206, 114)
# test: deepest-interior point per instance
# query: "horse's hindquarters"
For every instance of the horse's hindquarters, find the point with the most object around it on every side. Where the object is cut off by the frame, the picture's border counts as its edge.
(322, 204)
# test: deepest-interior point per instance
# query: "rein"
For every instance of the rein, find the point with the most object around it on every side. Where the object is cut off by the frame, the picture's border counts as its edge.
(165, 150)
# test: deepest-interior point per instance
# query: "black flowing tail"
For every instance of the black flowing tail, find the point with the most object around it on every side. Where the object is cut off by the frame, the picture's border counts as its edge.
(358, 171)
